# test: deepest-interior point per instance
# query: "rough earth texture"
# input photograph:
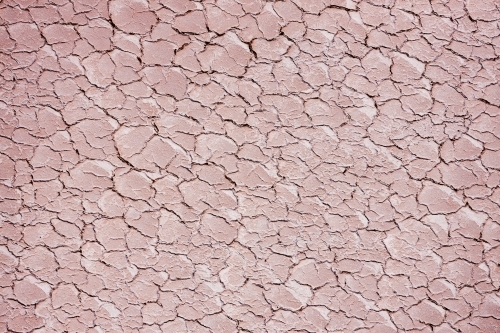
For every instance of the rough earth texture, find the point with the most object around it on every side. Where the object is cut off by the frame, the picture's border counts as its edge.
(249, 166)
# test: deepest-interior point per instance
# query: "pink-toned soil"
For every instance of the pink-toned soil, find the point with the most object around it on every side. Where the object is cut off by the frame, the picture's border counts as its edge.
(249, 166)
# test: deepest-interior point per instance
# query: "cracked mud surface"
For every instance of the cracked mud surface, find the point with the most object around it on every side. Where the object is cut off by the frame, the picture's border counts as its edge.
(249, 166)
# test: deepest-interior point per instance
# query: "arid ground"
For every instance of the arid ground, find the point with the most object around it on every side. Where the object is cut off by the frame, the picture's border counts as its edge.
(250, 166)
